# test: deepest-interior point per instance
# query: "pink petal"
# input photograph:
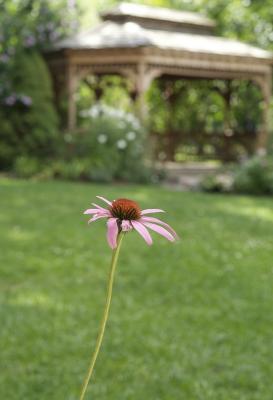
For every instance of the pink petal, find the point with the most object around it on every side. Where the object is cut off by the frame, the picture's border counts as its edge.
(160, 230)
(143, 232)
(151, 210)
(159, 222)
(126, 225)
(96, 217)
(105, 200)
(102, 211)
(91, 211)
(112, 232)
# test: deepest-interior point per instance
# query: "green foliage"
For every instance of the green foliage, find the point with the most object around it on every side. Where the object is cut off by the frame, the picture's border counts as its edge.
(32, 77)
(30, 24)
(35, 23)
(194, 119)
(26, 167)
(212, 184)
(188, 321)
(28, 120)
(29, 124)
(255, 177)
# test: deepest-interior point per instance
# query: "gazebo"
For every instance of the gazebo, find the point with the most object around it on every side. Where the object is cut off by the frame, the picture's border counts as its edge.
(143, 43)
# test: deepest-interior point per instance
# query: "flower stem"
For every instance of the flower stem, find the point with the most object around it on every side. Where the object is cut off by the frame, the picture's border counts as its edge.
(105, 314)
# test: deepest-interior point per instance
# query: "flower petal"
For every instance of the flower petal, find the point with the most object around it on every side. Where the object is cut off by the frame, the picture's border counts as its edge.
(160, 230)
(126, 225)
(105, 200)
(102, 210)
(140, 228)
(151, 210)
(159, 222)
(91, 211)
(112, 232)
(95, 217)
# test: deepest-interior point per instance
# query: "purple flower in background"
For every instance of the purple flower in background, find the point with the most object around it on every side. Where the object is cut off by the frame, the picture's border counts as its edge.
(10, 100)
(30, 41)
(4, 58)
(26, 100)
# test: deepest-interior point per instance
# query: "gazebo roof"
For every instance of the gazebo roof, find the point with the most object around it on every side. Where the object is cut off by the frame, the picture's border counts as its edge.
(129, 11)
(131, 35)
(133, 26)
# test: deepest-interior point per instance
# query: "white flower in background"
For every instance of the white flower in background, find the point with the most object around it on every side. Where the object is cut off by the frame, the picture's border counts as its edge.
(121, 144)
(102, 138)
(121, 116)
(131, 136)
(94, 113)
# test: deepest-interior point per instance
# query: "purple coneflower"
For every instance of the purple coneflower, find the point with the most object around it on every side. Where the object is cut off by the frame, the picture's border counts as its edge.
(122, 216)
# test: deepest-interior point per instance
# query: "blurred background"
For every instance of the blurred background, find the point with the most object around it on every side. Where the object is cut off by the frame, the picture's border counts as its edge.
(193, 127)
(191, 320)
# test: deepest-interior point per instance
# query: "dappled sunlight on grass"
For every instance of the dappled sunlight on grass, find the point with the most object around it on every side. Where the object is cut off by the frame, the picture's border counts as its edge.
(34, 299)
(16, 233)
(252, 211)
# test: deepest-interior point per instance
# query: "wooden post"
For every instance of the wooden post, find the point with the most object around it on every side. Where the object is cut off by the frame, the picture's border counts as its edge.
(225, 92)
(141, 80)
(142, 85)
(262, 139)
(172, 134)
(71, 106)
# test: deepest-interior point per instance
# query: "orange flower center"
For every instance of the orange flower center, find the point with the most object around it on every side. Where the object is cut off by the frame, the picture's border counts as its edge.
(125, 209)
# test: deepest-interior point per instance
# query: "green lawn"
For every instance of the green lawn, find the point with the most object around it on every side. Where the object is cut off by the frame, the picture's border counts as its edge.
(189, 321)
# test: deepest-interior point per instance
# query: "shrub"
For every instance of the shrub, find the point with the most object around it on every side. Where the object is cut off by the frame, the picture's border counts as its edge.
(27, 117)
(212, 184)
(29, 123)
(27, 167)
(76, 169)
(255, 176)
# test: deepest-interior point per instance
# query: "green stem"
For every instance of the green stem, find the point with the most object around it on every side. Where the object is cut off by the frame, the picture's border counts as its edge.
(105, 314)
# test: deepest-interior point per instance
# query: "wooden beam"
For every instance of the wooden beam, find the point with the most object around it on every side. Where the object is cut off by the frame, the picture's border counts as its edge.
(71, 85)
(265, 84)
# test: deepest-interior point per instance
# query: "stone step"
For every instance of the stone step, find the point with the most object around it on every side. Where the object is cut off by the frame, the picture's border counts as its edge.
(188, 176)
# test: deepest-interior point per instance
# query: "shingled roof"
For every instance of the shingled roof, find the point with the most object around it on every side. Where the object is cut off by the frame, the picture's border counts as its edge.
(142, 13)
(131, 25)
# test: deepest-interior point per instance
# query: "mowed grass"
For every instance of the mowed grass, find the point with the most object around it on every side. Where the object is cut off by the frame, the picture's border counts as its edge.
(189, 321)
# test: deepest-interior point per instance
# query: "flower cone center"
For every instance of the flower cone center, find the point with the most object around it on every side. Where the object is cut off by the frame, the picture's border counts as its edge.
(125, 209)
